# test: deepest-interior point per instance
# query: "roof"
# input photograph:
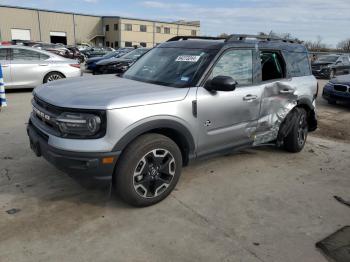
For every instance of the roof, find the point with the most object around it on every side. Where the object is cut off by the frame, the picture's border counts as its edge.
(217, 43)
(182, 22)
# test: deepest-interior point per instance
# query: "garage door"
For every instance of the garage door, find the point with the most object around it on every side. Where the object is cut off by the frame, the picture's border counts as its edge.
(58, 37)
(20, 34)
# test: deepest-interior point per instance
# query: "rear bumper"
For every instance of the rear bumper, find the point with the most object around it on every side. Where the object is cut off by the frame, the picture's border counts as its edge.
(89, 167)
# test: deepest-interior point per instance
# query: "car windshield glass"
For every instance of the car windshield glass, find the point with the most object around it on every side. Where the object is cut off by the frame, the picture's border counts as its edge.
(177, 67)
(111, 54)
(328, 58)
(135, 54)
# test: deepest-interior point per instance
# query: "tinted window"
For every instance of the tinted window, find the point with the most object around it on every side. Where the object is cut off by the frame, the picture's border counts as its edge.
(237, 64)
(23, 54)
(128, 27)
(128, 44)
(44, 57)
(166, 30)
(272, 65)
(3, 54)
(297, 64)
(143, 28)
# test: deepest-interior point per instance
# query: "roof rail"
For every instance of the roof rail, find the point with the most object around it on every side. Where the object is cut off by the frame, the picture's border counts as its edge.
(183, 38)
(239, 37)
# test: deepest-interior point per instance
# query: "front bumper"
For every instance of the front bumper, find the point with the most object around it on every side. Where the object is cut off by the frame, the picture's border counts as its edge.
(322, 73)
(89, 167)
(330, 94)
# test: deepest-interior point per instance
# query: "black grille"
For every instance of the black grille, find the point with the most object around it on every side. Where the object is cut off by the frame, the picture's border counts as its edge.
(47, 119)
(340, 88)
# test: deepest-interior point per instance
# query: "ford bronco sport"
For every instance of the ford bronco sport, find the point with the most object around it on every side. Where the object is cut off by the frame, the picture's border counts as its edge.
(188, 98)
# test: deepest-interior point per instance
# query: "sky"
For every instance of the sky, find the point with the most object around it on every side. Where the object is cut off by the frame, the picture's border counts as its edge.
(305, 19)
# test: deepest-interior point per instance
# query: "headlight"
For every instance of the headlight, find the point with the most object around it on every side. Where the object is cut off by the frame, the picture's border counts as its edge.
(79, 124)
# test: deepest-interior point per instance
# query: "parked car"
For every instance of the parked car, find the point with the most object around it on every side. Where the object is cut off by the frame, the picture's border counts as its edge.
(76, 54)
(119, 65)
(83, 46)
(183, 100)
(96, 51)
(26, 67)
(329, 66)
(57, 49)
(337, 89)
(91, 62)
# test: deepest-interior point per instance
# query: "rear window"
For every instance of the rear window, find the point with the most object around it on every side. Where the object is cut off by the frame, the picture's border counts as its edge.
(298, 64)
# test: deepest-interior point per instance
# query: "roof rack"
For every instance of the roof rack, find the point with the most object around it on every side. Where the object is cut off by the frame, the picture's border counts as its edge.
(183, 38)
(238, 37)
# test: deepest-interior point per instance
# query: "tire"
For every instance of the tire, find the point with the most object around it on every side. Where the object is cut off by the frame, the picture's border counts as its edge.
(332, 101)
(148, 170)
(53, 76)
(296, 139)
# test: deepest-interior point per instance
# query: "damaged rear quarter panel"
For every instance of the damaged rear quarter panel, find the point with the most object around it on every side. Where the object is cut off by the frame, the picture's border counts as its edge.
(279, 98)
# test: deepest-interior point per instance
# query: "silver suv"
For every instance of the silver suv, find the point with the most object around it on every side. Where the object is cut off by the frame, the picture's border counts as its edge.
(188, 98)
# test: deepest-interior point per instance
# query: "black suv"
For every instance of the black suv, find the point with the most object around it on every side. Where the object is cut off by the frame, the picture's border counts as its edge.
(329, 66)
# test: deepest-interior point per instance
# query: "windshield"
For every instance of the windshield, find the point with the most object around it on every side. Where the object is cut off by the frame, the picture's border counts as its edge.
(111, 54)
(177, 67)
(135, 54)
(328, 58)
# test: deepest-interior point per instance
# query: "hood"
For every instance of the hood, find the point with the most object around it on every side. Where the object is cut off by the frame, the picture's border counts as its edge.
(106, 92)
(321, 63)
(343, 79)
(113, 61)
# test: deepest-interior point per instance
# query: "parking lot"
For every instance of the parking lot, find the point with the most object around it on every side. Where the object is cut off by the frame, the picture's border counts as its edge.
(255, 205)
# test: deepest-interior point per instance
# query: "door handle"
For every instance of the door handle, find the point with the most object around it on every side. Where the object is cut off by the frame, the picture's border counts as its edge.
(287, 91)
(43, 64)
(249, 98)
(5, 65)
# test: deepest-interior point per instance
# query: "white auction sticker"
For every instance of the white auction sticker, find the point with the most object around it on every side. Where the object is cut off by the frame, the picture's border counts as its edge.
(188, 58)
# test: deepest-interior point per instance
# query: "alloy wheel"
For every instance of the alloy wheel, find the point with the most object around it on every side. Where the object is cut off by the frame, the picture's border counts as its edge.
(54, 77)
(302, 130)
(154, 173)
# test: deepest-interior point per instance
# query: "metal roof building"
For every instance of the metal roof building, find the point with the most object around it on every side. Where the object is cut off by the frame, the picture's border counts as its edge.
(21, 23)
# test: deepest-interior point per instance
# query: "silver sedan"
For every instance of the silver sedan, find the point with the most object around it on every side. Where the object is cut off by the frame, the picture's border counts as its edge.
(27, 67)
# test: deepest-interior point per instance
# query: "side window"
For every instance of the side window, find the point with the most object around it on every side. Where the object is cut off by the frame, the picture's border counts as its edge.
(44, 57)
(237, 64)
(3, 54)
(23, 54)
(272, 65)
(298, 64)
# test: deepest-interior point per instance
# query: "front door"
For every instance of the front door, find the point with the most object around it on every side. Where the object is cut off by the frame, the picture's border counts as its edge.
(229, 119)
(26, 68)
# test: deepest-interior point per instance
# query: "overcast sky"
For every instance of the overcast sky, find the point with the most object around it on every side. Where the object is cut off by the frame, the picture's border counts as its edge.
(305, 19)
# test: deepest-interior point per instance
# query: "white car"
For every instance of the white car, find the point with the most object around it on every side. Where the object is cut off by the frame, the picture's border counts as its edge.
(27, 67)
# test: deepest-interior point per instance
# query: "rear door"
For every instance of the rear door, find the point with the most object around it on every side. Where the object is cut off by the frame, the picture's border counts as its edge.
(28, 67)
(278, 97)
(5, 65)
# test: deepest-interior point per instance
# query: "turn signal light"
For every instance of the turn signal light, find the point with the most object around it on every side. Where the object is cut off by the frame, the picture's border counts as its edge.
(107, 160)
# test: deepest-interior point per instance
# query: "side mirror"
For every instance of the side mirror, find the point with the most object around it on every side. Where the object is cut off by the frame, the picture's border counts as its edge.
(338, 62)
(221, 83)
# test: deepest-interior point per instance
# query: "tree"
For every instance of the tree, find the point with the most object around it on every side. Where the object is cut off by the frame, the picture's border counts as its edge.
(344, 45)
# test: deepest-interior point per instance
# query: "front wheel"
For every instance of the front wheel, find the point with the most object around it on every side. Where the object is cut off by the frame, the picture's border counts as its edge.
(148, 170)
(53, 76)
(296, 139)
